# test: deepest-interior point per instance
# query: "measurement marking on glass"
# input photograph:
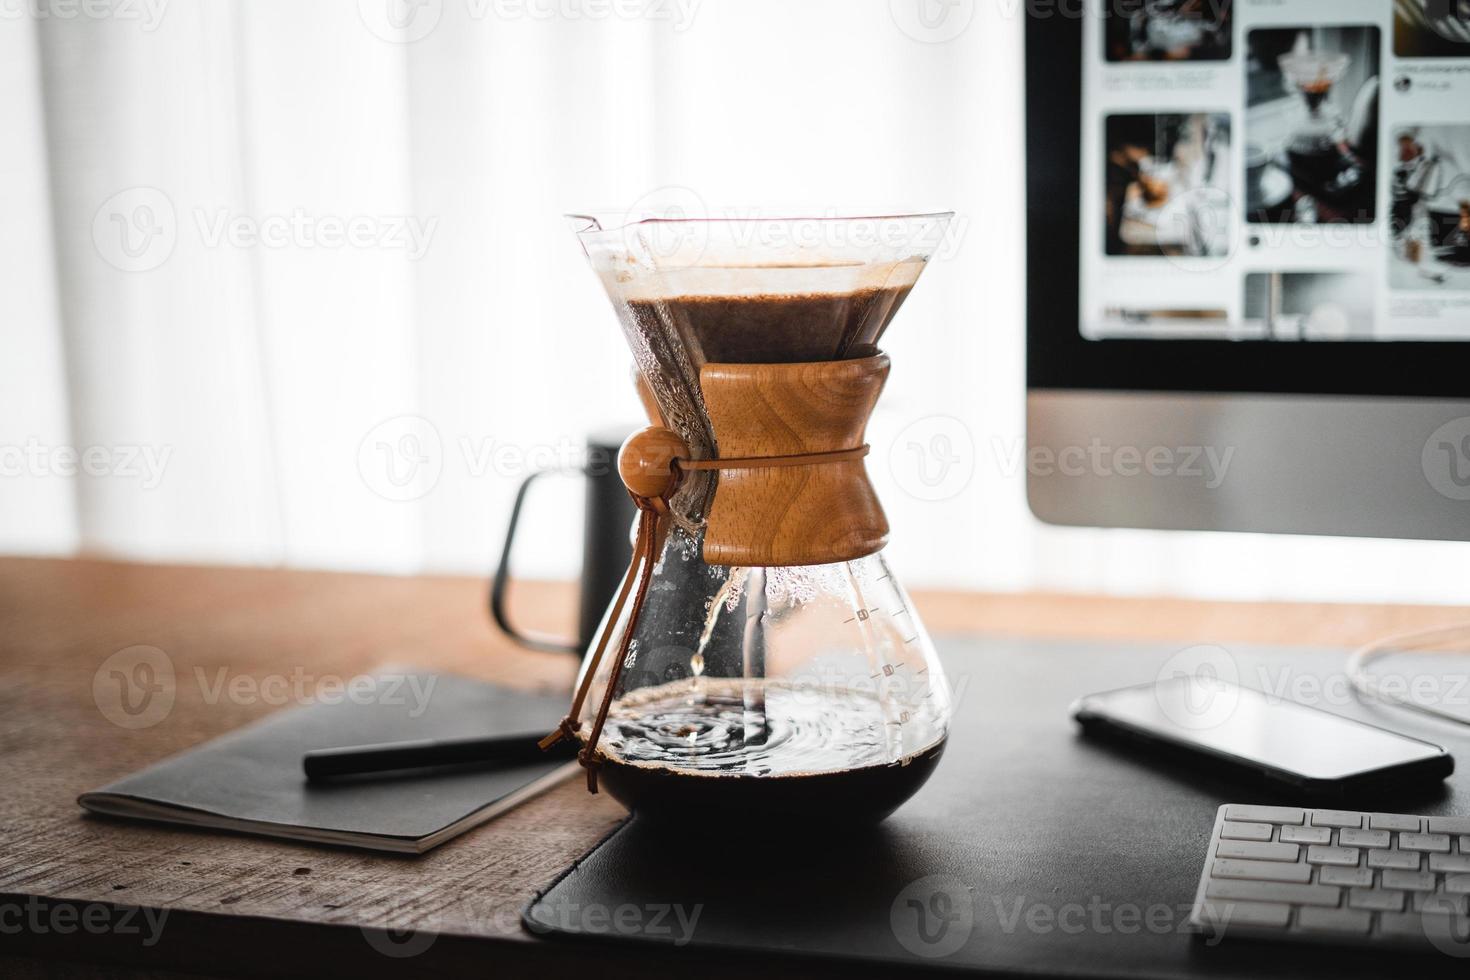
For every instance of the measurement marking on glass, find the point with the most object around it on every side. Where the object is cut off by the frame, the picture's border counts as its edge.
(863, 615)
(887, 671)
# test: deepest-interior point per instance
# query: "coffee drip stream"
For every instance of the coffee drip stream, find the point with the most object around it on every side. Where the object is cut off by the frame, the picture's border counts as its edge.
(762, 655)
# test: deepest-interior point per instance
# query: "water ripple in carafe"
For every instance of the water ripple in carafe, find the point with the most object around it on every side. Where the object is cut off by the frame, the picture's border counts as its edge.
(706, 727)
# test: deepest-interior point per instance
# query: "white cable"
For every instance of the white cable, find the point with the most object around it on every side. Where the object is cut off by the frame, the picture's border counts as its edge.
(1359, 659)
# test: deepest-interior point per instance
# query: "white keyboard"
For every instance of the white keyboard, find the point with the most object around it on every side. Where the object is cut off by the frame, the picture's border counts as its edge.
(1334, 876)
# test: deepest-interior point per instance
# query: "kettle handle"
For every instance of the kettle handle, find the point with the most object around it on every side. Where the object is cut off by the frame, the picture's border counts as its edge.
(498, 609)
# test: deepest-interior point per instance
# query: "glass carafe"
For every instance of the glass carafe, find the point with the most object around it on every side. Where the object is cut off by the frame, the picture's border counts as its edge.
(758, 678)
(1321, 163)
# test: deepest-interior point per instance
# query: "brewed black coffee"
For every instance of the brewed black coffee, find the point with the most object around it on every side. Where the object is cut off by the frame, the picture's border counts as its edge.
(773, 328)
(717, 746)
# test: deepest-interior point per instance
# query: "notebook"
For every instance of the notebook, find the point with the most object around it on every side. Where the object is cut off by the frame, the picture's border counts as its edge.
(251, 780)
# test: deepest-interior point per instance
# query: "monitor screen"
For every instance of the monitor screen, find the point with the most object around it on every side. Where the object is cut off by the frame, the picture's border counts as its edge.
(1251, 196)
(1281, 172)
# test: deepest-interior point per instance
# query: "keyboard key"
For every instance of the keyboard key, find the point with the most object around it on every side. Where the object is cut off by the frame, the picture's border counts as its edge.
(1364, 838)
(1449, 863)
(1336, 818)
(1401, 925)
(1335, 920)
(1402, 860)
(1439, 902)
(1330, 876)
(1394, 821)
(1244, 914)
(1263, 871)
(1264, 814)
(1307, 835)
(1257, 851)
(1235, 830)
(1376, 899)
(1274, 891)
(1362, 877)
(1424, 842)
(1344, 856)
(1412, 881)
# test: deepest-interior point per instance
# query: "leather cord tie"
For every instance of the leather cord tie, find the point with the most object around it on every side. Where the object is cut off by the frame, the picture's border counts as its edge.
(648, 542)
(769, 462)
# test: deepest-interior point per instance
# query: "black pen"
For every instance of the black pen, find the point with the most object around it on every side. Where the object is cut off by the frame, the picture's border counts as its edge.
(355, 760)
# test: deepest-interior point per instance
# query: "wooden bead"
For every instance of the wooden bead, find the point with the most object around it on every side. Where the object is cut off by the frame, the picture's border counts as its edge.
(646, 461)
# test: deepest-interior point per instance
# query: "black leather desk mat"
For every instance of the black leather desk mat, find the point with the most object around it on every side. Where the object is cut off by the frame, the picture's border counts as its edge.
(1077, 857)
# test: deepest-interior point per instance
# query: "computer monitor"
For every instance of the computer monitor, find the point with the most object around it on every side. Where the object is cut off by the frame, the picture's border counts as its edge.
(1249, 265)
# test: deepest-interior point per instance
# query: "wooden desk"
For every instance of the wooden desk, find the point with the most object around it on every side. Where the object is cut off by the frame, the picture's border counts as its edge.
(240, 905)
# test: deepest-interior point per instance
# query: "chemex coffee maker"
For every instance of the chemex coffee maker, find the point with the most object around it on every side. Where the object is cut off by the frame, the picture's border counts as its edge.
(761, 657)
(1321, 160)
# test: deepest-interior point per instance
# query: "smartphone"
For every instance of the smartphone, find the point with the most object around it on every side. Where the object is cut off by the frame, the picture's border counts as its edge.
(1307, 748)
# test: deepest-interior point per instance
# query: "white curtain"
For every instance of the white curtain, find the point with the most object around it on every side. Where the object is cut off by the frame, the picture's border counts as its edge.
(286, 282)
